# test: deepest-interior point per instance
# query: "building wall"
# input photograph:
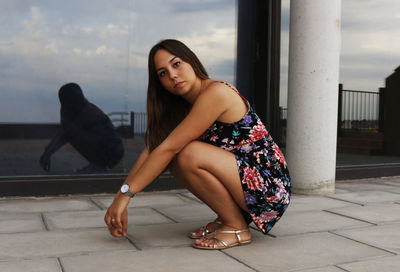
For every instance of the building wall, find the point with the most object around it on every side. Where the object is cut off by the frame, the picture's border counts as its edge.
(392, 113)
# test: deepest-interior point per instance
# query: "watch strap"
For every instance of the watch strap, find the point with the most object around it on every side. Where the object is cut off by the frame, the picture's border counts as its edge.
(129, 193)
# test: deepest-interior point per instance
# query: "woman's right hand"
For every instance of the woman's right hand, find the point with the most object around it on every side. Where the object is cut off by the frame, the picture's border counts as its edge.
(116, 216)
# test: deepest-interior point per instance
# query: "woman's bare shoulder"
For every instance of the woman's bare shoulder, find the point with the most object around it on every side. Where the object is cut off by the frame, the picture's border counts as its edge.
(217, 89)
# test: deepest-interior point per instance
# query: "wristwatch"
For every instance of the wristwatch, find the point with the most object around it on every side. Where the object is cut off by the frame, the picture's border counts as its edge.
(125, 190)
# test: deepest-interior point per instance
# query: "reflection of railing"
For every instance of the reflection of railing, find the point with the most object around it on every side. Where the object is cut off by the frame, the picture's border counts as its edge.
(121, 118)
(129, 124)
(139, 122)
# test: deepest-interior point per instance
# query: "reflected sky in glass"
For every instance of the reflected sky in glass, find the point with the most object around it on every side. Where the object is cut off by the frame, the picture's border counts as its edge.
(103, 46)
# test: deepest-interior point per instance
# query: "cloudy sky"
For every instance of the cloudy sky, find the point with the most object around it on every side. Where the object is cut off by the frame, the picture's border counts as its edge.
(370, 43)
(103, 46)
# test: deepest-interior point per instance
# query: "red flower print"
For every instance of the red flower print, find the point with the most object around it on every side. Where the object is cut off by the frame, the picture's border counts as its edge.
(279, 155)
(268, 216)
(252, 178)
(258, 132)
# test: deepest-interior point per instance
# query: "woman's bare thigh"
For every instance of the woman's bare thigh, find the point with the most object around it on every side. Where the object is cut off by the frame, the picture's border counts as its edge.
(220, 163)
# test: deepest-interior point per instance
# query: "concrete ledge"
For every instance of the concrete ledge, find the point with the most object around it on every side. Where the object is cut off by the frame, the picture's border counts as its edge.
(77, 184)
(367, 171)
(109, 183)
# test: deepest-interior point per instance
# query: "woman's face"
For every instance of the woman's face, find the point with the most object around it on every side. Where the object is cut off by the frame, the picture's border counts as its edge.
(176, 75)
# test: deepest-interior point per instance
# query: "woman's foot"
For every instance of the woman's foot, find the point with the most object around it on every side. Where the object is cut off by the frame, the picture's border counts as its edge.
(224, 237)
(203, 231)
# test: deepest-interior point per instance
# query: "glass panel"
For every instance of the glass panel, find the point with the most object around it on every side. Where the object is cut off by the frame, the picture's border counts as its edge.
(370, 43)
(102, 46)
(369, 132)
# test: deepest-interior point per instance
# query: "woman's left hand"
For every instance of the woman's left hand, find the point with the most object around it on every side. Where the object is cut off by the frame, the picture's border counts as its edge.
(116, 216)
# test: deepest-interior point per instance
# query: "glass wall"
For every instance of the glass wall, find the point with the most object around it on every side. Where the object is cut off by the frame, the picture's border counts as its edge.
(370, 43)
(101, 47)
(368, 131)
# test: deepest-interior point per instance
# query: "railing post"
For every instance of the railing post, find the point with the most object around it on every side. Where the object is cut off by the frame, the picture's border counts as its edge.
(381, 109)
(133, 124)
(340, 103)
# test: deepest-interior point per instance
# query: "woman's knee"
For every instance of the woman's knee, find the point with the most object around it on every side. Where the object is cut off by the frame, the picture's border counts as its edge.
(188, 156)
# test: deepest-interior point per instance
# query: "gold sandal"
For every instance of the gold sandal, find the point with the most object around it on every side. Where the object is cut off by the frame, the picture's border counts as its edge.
(203, 230)
(224, 244)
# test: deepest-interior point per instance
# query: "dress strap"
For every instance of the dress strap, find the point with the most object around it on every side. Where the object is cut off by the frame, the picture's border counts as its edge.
(233, 88)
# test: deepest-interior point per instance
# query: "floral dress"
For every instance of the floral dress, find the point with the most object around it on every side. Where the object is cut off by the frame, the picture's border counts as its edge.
(261, 165)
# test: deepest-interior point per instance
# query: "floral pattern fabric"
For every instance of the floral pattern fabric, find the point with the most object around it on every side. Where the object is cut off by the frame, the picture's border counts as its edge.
(261, 165)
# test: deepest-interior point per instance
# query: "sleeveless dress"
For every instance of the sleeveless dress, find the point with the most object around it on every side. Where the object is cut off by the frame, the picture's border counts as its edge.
(261, 165)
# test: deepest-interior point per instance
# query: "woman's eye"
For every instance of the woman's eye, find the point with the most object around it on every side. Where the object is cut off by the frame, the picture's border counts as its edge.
(161, 74)
(176, 64)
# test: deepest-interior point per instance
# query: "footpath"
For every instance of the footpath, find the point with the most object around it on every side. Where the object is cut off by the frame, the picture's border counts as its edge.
(356, 229)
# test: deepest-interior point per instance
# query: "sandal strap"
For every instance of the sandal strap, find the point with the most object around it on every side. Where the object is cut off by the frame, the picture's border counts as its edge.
(236, 232)
(215, 242)
(204, 230)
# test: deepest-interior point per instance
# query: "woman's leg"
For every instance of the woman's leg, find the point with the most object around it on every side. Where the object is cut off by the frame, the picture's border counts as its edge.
(211, 174)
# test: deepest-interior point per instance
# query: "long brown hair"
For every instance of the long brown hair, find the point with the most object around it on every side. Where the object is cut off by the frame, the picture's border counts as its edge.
(165, 110)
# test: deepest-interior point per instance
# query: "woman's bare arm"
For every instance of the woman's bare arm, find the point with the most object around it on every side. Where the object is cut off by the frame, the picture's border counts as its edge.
(142, 158)
(208, 107)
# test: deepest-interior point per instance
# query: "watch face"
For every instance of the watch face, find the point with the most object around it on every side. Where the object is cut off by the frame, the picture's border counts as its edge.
(124, 188)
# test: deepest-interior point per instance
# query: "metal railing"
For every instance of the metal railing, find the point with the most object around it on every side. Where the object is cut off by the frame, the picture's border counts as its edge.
(360, 110)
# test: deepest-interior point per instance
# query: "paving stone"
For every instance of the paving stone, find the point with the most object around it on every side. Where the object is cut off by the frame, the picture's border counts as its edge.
(322, 269)
(367, 186)
(38, 265)
(150, 200)
(55, 243)
(161, 235)
(315, 221)
(391, 180)
(385, 236)
(189, 213)
(372, 213)
(172, 235)
(340, 191)
(301, 252)
(164, 259)
(14, 223)
(315, 203)
(46, 205)
(365, 197)
(385, 264)
(95, 219)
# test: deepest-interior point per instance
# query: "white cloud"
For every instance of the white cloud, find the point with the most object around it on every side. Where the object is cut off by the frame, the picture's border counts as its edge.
(77, 51)
(87, 29)
(52, 47)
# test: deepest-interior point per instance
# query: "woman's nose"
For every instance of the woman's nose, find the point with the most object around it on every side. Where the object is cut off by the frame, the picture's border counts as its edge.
(172, 74)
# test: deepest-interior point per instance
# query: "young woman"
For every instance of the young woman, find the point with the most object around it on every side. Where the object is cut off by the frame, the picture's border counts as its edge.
(212, 141)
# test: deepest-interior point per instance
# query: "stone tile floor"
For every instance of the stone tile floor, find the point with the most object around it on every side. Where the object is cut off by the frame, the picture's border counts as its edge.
(356, 229)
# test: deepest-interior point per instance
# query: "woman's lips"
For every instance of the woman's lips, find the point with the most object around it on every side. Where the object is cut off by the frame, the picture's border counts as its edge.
(178, 85)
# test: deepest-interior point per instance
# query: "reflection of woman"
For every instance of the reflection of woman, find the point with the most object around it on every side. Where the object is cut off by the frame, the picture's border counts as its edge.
(89, 131)
(212, 142)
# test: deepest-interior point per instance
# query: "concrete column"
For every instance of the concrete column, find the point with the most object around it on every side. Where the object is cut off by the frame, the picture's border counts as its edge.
(314, 48)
